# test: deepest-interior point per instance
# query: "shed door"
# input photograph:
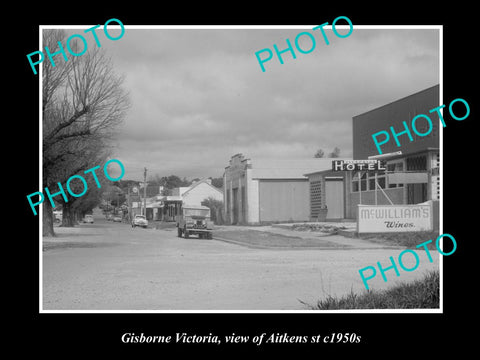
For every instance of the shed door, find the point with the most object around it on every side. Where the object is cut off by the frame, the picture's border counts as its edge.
(284, 200)
(334, 198)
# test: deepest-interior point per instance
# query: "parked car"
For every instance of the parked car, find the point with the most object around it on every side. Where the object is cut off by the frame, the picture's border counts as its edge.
(88, 219)
(194, 220)
(117, 218)
(140, 220)
(57, 216)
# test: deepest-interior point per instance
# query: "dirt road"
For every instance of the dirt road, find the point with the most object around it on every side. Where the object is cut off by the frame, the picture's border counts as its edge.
(111, 266)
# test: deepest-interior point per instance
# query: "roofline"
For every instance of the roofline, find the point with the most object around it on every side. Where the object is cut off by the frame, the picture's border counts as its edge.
(198, 183)
(318, 172)
(403, 155)
(282, 178)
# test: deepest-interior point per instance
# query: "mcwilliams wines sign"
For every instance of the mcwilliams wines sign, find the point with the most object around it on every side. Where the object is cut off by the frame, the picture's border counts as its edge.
(395, 218)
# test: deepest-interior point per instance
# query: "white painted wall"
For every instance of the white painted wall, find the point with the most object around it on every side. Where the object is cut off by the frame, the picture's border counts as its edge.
(253, 202)
(201, 192)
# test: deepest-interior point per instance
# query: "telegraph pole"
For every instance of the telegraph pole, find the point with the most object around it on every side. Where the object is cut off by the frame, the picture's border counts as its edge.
(145, 192)
(129, 206)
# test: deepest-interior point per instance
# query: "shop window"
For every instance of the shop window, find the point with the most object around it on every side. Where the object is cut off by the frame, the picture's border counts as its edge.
(380, 181)
(417, 163)
(363, 182)
(366, 181)
(355, 185)
(395, 167)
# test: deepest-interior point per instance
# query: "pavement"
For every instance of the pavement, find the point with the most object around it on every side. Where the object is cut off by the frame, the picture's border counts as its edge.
(347, 242)
(111, 266)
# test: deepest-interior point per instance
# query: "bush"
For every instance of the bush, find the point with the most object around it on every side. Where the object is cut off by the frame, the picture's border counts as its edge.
(216, 210)
(424, 293)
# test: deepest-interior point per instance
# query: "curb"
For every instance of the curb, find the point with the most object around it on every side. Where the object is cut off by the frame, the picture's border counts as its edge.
(253, 246)
(347, 233)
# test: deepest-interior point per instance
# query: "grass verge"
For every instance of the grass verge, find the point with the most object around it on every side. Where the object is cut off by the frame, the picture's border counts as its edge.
(264, 239)
(408, 239)
(418, 294)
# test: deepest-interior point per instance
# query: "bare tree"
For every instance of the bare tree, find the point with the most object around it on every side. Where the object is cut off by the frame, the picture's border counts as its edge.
(93, 154)
(83, 103)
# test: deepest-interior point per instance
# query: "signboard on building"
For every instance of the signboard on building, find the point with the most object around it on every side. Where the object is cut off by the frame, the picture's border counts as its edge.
(395, 218)
(358, 165)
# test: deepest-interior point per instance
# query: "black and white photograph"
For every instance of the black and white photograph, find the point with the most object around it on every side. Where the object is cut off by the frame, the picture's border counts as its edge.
(246, 184)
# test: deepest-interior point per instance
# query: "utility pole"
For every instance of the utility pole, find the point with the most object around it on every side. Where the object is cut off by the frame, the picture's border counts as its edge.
(129, 206)
(145, 192)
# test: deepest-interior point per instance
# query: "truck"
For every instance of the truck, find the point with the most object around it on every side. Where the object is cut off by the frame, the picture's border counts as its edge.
(194, 220)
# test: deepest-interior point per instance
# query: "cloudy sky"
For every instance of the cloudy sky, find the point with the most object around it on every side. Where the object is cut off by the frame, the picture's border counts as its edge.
(199, 95)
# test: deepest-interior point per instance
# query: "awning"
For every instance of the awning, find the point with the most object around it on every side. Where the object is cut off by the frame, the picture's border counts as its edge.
(170, 198)
(155, 205)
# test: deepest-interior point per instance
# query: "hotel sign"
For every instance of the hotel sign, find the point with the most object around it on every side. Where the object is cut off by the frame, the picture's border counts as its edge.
(358, 165)
(395, 218)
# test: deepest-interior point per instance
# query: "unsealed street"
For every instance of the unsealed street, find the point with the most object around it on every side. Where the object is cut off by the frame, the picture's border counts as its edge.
(112, 266)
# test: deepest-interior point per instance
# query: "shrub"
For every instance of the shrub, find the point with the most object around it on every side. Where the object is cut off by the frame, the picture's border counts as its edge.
(216, 210)
(423, 293)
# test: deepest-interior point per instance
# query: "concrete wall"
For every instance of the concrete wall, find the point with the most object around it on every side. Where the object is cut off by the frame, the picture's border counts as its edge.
(253, 201)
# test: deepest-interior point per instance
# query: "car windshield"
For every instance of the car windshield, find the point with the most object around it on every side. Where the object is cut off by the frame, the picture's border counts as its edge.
(140, 217)
(197, 212)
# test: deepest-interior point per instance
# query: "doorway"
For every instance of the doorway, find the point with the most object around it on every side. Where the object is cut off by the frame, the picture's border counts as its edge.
(334, 198)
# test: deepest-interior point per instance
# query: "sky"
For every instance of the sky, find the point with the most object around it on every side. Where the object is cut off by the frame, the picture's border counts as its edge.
(198, 96)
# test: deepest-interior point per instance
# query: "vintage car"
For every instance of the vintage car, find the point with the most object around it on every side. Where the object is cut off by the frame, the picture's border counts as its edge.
(58, 216)
(194, 220)
(140, 220)
(88, 219)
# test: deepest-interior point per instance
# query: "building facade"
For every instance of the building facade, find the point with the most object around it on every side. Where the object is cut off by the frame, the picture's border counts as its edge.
(329, 193)
(268, 190)
(411, 171)
(192, 195)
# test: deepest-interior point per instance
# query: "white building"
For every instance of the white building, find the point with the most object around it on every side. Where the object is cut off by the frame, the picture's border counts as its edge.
(198, 192)
(268, 190)
(192, 195)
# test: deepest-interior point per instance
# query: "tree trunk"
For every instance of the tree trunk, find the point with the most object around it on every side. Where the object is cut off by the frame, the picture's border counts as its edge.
(67, 216)
(47, 219)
